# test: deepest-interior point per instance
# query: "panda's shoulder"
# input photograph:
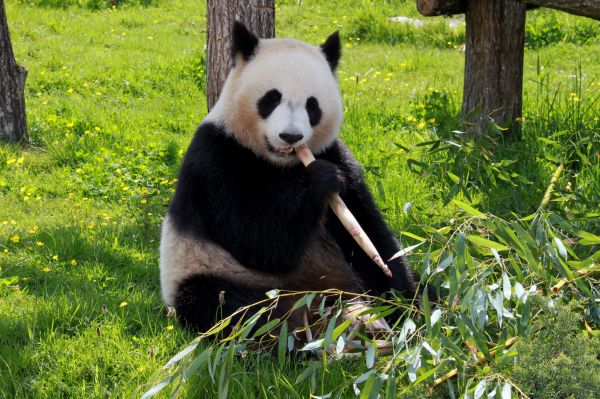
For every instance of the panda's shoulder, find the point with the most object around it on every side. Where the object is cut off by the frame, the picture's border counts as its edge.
(340, 154)
(206, 139)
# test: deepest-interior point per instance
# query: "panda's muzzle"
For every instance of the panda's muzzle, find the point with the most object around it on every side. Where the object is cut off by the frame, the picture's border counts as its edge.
(291, 138)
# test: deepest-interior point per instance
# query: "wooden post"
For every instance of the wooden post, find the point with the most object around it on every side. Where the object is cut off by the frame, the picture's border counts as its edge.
(493, 80)
(13, 121)
(257, 15)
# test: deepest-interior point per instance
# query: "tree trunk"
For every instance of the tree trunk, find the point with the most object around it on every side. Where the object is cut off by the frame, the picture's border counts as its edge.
(13, 122)
(494, 64)
(257, 15)
(585, 8)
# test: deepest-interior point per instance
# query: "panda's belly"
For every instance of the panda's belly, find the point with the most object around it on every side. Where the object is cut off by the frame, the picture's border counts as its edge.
(322, 267)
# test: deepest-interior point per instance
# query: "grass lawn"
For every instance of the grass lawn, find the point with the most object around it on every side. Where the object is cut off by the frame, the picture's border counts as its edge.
(113, 98)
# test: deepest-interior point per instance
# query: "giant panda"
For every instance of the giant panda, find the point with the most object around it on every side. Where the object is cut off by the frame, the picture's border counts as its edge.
(247, 217)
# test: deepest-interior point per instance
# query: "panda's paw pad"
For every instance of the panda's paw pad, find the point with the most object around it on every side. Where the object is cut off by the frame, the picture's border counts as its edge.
(327, 176)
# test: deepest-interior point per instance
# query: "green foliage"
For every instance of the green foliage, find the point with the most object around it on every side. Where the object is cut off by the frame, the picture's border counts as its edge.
(545, 27)
(374, 26)
(91, 4)
(488, 273)
(555, 360)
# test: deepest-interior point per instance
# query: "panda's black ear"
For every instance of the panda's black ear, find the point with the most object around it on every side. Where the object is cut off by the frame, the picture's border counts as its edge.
(332, 49)
(244, 42)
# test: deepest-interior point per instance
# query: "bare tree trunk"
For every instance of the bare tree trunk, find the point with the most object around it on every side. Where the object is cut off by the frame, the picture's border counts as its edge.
(494, 64)
(13, 122)
(257, 15)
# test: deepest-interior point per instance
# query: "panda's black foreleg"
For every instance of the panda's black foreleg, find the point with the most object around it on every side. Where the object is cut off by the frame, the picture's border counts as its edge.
(202, 301)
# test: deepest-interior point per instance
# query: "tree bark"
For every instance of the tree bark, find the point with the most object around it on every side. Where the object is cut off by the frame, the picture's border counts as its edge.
(493, 81)
(13, 122)
(584, 8)
(257, 15)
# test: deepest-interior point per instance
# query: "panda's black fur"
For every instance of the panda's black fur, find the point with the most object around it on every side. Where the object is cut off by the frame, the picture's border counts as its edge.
(266, 216)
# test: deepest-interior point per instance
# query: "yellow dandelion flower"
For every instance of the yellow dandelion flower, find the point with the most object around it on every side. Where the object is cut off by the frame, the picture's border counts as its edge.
(422, 125)
(73, 262)
(39, 244)
(20, 160)
(15, 238)
(70, 90)
(122, 304)
(143, 201)
(55, 257)
(11, 161)
(46, 269)
(170, 328)
(411, 118)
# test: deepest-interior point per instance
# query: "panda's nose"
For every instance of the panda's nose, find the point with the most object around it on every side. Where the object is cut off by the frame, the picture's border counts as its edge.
(290, 138)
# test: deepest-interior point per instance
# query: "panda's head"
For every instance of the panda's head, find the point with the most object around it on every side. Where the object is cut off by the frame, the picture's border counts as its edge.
(280, 94)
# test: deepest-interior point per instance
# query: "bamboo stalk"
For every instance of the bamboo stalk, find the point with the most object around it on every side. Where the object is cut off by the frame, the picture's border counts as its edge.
(347, 218)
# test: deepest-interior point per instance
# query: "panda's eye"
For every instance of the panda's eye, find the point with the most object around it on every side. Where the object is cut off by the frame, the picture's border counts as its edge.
(314, 111)
(268, 102)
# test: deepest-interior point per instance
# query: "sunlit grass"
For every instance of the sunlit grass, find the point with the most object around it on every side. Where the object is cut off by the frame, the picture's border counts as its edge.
(113, 100)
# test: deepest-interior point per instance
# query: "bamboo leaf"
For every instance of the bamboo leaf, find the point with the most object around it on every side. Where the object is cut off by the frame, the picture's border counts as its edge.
(506, 287)
(469, 209)
(340, 329)
(560, 247)
(198, 361)
(157, 388)
(266, 327)
(411, 235)
(180, 355)
(506, 391)
(435, 316)
(313, 345)
(406, 250)
(282, 344)
(370, 356)
(484, 242)
(480, 389)
(587, 238)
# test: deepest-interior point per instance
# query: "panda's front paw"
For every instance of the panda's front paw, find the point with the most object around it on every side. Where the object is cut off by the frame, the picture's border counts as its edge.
(326, 177)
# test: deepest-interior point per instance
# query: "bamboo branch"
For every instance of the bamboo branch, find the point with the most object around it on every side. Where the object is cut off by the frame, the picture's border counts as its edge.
(347, 218)
(550, 189)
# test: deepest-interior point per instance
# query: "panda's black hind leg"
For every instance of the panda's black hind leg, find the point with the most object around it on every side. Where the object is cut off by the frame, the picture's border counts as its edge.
(201, 300)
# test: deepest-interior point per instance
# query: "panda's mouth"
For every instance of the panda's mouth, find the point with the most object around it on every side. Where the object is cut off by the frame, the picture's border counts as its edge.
(282, 151)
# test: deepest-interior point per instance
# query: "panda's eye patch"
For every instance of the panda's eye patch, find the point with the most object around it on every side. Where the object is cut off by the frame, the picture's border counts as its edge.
(268, 103)
(314, 111)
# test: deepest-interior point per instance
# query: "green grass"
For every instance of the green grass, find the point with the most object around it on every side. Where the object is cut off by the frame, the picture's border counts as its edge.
(113, 98)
